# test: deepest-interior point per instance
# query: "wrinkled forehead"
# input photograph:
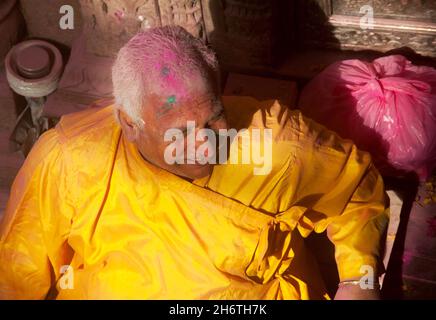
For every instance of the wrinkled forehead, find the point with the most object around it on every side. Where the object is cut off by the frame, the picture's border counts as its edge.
(184, 83)
(189, 99)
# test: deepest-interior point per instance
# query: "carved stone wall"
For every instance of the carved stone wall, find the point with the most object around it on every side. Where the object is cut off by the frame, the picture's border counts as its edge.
(397, 23)
(384, 39)
(186, 13)
(419, 10)
(242, 32)
(111, 23)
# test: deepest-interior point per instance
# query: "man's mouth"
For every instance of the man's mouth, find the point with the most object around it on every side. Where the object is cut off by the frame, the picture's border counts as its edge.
(196, 162)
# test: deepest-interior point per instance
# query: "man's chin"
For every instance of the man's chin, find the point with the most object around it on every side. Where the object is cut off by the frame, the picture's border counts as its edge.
(194, 171)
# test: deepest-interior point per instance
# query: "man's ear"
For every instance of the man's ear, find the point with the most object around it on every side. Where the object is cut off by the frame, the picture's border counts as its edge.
(130, 128)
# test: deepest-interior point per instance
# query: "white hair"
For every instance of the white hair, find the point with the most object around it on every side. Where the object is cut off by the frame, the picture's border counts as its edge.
(135, 68)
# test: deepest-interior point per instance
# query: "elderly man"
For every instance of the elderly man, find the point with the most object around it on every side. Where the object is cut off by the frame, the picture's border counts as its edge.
(118, 207)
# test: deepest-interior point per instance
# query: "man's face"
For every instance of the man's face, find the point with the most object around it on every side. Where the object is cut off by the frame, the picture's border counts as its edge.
(198, 101)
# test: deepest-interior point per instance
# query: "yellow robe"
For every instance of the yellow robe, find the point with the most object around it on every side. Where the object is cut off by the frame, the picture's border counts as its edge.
(128, 230)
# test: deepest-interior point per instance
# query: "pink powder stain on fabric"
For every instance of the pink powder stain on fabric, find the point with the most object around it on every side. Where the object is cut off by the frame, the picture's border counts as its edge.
(119, 15)
(407, 257)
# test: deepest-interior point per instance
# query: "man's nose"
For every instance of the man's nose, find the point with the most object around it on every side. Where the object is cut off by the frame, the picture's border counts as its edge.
(208, 141)
(222, 124)
(202, 136)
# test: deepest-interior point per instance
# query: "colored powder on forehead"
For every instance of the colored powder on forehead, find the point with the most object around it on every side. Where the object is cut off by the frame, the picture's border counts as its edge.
(165, 71)
(173, 73)
(171, 99)
(169, 81)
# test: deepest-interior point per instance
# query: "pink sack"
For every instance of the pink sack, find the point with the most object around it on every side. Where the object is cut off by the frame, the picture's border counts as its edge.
(387, 107)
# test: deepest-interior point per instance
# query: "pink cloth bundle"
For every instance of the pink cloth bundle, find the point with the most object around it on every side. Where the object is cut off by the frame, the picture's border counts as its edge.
(387, 107)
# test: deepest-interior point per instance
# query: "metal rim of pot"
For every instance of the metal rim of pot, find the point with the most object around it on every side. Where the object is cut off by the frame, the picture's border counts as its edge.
(38, 87)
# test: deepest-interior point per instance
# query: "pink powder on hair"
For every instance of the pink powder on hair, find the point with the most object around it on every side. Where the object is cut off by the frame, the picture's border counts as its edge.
(170, 81)
(170, 59)
(173, 85)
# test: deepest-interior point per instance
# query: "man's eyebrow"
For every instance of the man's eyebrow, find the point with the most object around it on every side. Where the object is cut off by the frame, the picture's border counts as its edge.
(217, 115)
(164, 109)
(167, 106)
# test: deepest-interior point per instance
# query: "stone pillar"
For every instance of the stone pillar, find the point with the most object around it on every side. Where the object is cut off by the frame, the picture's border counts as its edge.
(243, 32)
(111, 23)
(185, 13)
